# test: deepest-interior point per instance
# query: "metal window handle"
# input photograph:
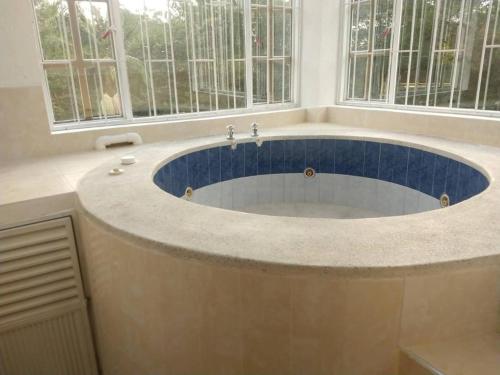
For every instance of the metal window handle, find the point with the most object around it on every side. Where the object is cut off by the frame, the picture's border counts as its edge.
(255, 129)
(230, 132)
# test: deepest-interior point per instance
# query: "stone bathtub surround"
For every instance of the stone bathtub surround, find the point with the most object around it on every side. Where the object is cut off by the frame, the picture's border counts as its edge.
(135, 207)
(191, 289)
(175, 315)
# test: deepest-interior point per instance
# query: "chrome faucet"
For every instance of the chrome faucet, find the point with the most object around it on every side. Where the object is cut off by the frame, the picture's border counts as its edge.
(255, 129)
(230, 132)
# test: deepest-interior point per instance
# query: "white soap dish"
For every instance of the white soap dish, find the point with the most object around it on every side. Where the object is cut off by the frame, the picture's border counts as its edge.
(115, 171)
(128, 159)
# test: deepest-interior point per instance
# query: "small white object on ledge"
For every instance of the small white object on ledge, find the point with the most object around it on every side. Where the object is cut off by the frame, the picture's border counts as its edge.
(128, 160)
(115, 171)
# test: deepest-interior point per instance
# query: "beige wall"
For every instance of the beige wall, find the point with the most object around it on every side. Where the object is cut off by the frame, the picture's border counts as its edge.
(471, 129)
(155, 313)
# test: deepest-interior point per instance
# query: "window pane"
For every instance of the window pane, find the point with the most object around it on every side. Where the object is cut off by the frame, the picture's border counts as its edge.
(181, 56)
(61, 85)
(103, 90)
(79, 61)
(94, 28)
(447, 54)
(370, 45)
(54, 28)
(271, 49)
(201, 48)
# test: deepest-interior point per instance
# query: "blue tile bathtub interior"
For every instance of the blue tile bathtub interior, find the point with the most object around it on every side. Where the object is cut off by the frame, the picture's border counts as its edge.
(417, 169)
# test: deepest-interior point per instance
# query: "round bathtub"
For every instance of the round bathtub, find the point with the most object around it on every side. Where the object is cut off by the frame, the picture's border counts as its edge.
(329, 178)
(201, 259)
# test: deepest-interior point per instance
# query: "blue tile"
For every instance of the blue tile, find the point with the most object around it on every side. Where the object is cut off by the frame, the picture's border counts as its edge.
(313, 153)
(414, 167)
(475, 183)
(343, 157)
(295, 156)
(327, 156)
(400, 172)
(179, 176)
(238, 162)
(157, 179)
(277, 156)
(198, 169)
(214, 165)
(440, 171)
(250, 159)
(452, 180)
(264, 158)
(427, 172)
(483, 183)
(166, 177)
(372, 158)
(387, 162)
(357, 158)
(226, 168)
(468, 180)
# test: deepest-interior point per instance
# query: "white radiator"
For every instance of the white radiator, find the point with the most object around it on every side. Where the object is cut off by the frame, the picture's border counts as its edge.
(44, 327)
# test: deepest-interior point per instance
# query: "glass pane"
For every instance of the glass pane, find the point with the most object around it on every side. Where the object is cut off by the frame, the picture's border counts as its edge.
(278, 32)
(358, 71)
(94, 26)
(103, 91)
(55, 31)
(277, 82)
(201, 43)
(259, 31)
(380, 72)
(61, 85)
(259, 81)
(383, 24)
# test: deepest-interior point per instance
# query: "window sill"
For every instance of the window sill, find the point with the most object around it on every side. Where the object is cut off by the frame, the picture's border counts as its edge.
(168, 119)
(450, 112)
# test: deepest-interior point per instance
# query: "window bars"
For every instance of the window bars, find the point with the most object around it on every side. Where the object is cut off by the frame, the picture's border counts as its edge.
(430, 53)
(112, 59)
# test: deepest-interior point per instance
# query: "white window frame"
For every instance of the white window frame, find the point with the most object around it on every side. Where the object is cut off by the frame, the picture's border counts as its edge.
(343, 64)
(128, 119)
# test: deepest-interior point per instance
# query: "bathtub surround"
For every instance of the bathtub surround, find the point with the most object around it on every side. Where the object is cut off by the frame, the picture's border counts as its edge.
(245, 293)
(266, 302)
(259, 320)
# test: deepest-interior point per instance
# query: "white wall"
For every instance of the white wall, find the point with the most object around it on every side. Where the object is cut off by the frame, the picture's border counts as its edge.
(19, 65)
(320, 46)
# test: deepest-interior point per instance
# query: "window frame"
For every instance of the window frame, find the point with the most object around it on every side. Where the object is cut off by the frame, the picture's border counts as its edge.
(343, 70)
(127, 118)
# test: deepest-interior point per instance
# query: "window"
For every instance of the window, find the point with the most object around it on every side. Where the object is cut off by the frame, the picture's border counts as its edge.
(113, 61)
(428, 53)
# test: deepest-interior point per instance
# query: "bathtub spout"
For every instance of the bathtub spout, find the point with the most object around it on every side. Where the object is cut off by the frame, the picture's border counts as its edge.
(255, 129)
(230, 132)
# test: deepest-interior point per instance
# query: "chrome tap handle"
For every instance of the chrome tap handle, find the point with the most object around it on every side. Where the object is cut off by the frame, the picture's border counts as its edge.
(230, 132)
(255, 129)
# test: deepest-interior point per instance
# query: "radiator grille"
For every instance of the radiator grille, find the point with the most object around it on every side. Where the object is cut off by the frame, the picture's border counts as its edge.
(44, 327)
(37, 270)
(58, 346)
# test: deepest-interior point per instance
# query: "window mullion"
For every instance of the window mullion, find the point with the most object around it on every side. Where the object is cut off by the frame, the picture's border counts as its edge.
(248, 52)
(396, 34)
(172, 56)
(80, 67)
(433, 48)
(457, 52)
